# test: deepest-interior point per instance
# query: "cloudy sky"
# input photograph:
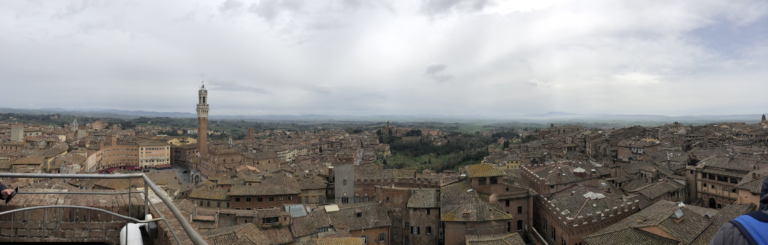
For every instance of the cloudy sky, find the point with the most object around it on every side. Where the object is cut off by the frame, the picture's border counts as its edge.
(349, 57)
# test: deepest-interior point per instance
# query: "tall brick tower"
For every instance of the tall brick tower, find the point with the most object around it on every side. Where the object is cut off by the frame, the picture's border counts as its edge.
(202, 122)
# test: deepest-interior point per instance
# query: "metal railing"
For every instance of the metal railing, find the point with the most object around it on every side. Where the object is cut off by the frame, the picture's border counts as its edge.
(194, 237)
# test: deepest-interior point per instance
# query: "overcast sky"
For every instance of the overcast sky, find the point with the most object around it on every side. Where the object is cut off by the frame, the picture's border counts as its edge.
(448, 57)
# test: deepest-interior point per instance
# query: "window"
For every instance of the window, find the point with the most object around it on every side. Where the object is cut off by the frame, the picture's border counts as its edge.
(507, 189)
(712, 176)
(306, 199)
(509, 224)
(428, 211)
(247, 208)
(366, 238)
(387, 199)
(290, 198)
(227, 204)
(405, 241)
(271, 199)
(722, 178)
(407, 224)
(365, 199)
(519, 225)
(429, 230)
(733, 190)
(507, 203)
(691, 171)
(201, 203)
(345, 200)
(554, 233)
(519, 209)
(248, 199)
(281, 198)
(415, 230)
(734, 180)
(481, 181)
(357, 199)
(218, 204)
(345, 182)
(551, 187)
(703, 175)
(704, 185)
(494, 180)
(258, 199)
(270, 220)
(382, 237)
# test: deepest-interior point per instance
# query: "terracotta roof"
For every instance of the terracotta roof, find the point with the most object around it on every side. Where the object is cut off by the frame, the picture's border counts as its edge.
(307, 225)
(279, 235)
(309, 182)
(424, 198)
(209, 194)
(232, 234)
(119, 184)
(460, 203)
(373, 216)
(495, 239)
(279, 184)
(483, 170)
(337, 241)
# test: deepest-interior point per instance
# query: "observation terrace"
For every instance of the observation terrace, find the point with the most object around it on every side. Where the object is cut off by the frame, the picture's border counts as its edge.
(93, 216)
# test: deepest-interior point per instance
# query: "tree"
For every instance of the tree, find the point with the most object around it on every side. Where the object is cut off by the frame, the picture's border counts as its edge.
(378, 132)
(506, 144)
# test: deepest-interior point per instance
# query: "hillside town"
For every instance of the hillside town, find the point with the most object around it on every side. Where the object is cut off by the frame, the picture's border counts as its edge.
(567, 184)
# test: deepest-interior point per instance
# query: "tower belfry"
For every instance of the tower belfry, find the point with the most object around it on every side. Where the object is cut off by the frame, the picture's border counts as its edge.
(202, 121)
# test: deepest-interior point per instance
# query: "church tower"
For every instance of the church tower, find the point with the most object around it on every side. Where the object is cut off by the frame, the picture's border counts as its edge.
(202, 122)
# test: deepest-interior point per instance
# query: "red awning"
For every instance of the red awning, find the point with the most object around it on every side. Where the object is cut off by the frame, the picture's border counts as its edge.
(132, 168)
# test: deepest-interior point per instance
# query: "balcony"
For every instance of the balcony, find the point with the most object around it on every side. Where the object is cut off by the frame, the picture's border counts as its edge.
(94, 216)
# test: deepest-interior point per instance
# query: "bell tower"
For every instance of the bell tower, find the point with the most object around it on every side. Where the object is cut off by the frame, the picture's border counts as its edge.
(202, 121)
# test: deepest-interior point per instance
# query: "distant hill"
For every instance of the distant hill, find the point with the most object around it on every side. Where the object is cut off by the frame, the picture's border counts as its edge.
(546, 118)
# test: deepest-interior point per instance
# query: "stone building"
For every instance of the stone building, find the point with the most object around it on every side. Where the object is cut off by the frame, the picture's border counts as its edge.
(423, 211)
(17, 133)
(667, 223)
(366, 220)
(344, 179)
(570, 214)
(464, 211)
(274, 191)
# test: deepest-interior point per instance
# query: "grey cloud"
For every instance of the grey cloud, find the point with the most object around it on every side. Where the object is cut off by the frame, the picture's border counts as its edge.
(226, 85)
(271, 9)
(435, 71)
(229, 5)
(537, 83)
(438, 7)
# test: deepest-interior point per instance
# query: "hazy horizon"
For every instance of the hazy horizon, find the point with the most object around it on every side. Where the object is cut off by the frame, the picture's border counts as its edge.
(368, 58)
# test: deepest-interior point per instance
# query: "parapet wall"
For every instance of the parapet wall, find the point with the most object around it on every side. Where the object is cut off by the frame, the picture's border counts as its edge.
(68, 224)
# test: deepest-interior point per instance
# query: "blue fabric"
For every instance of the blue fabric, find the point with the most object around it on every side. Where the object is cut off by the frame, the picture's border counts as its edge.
(754, 227)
